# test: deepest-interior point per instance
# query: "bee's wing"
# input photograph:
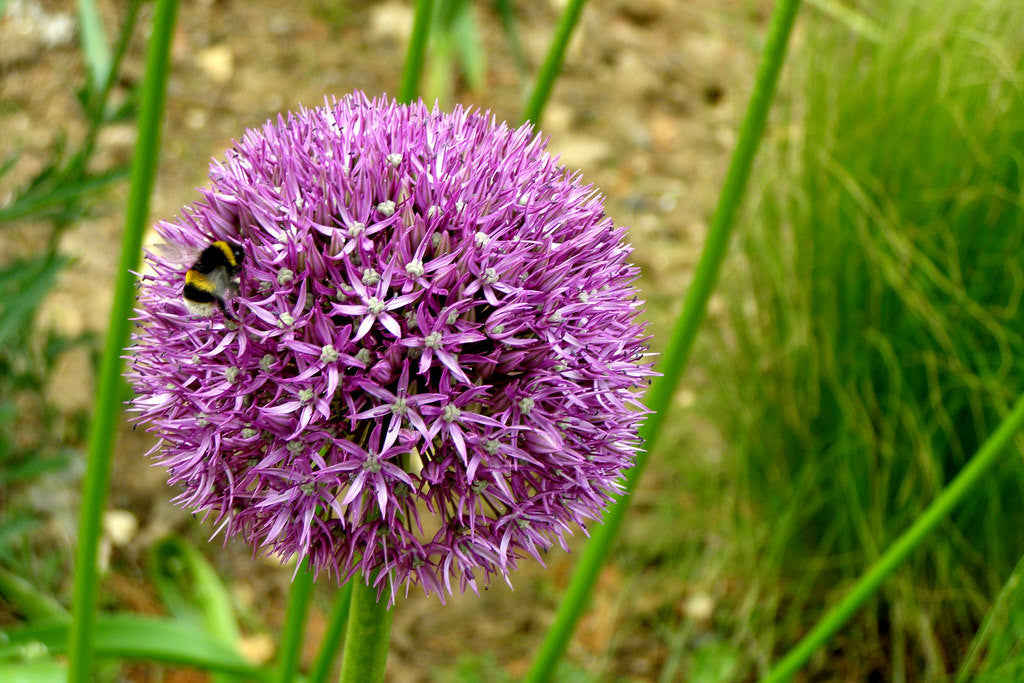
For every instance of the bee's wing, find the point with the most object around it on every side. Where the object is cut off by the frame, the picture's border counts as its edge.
(178, 254)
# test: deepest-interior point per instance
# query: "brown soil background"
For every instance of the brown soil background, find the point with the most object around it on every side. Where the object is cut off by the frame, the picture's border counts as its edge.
(647, 108)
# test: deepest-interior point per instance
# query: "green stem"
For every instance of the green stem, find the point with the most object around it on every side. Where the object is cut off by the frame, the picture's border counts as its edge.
(108, 404)
(96, 104)
(334, 637)
(95, 112)
(368, 636)
(94, 44)
(413, 69)
(294, 623)
(552, 62)
(951, 496)
(673, 360)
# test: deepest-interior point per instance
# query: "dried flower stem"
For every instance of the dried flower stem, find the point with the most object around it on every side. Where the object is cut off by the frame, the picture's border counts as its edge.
(678, 350)
(294, 623)
(334, 637)
(368, 636)
(109, 382)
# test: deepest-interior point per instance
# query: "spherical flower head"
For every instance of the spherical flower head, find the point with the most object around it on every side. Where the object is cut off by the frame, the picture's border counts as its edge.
(431, 363)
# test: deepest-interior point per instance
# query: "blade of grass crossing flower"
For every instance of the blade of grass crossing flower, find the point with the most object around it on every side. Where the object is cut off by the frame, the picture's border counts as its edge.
(674, 358)
(294, 623)
(951, 496)
(413, 69)
(107, 407)
(552, 62)
(368, 636)
(94, 44)
(334, 636)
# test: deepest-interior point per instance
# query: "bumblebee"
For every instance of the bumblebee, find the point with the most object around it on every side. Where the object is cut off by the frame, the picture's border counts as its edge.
(213, 277)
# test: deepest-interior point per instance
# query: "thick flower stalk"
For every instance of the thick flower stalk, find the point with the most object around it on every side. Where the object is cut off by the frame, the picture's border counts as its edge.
(432, 364)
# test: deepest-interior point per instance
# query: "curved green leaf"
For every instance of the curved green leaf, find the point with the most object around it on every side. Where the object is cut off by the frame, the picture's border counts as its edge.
(94, 44)
(132, 636)
(28, 600)
(37, 671)
(190, 588)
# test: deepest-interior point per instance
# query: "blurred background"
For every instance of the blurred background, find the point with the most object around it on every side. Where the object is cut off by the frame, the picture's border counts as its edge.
(865, 337)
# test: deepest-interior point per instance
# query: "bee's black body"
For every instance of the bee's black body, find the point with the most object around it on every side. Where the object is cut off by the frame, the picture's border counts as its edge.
(214, 274)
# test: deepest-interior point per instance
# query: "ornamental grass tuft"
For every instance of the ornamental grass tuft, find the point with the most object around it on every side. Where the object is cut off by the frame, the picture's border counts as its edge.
(432, 365)
(878, 342)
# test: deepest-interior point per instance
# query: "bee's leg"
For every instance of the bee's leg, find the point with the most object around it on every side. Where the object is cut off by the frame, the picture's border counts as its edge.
(224, 310)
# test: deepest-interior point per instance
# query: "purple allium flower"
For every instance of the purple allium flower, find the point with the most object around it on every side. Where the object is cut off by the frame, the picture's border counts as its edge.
(436, 362)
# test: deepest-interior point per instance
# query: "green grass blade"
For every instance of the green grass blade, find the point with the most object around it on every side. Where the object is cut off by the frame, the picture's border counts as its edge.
(334, 636)
(27, 600)
(136, 637)
(31, 469)
(466, 36)
(294, 623)
(35, 671)
(510, 26)
(439, 71)
(190, 588)
(96, 109)
(107, 406)
(94, 44)
(552, 65)
(13, 530)
(673, 360)
(867, 585)
(997, 651)
(12, 159)
(50, 201)
(23, 285)
(413, 69)
(877, 334)
(857, 22)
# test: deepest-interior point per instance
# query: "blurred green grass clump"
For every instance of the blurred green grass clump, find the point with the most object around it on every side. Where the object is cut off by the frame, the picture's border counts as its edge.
(877, 336)
(40, 444)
